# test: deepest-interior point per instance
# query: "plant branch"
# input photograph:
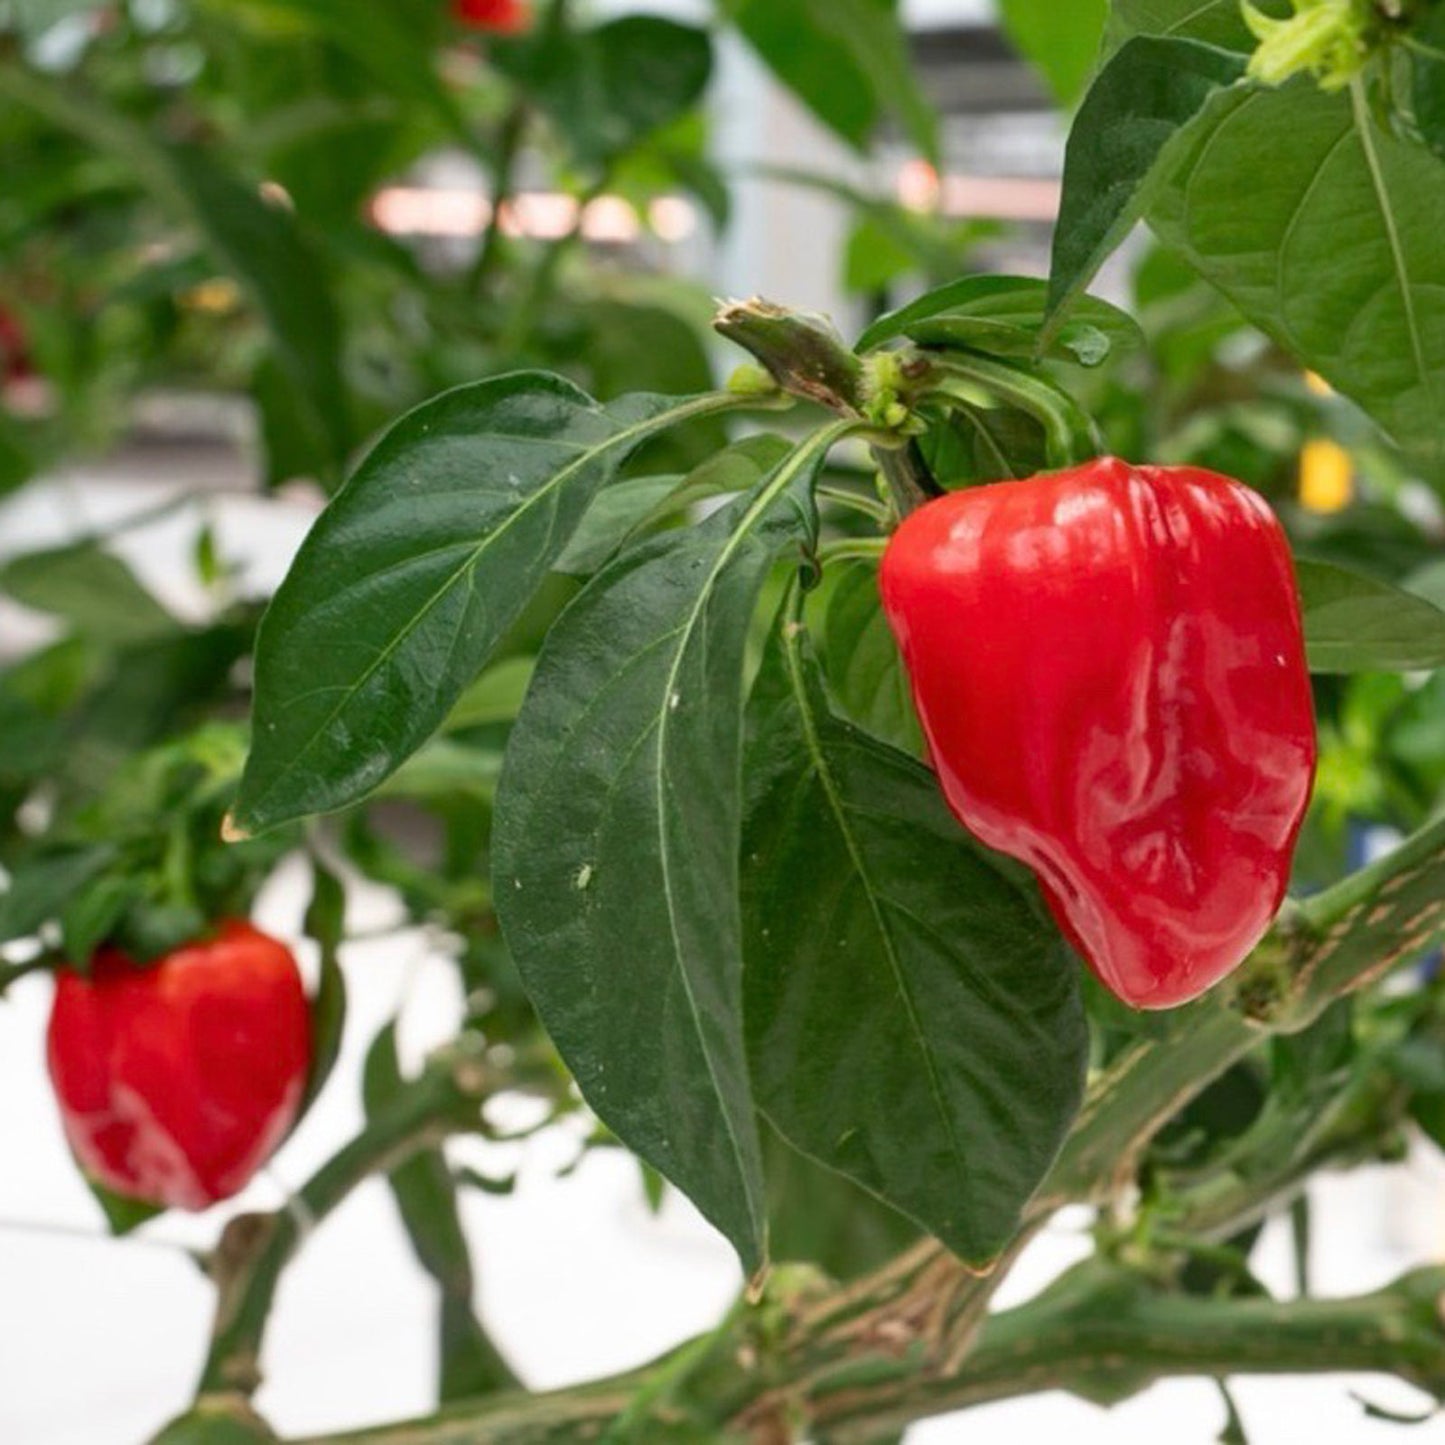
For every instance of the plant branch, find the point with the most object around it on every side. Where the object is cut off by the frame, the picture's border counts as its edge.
(503, 166)
(1102, 1331)
(255, 1248)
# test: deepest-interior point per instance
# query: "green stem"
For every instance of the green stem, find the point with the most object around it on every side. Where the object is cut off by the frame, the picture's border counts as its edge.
(504, 165)
(909, 482)
(255, 1248)
(538, 292)
(847, 549)
(1101, 1331)
(1069, 433)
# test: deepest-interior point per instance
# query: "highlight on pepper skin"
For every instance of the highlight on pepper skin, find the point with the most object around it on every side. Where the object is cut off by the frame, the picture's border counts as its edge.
(177, 1080)
(1109, 666)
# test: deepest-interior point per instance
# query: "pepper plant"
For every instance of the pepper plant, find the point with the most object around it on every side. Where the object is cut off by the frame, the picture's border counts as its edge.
(695, 851)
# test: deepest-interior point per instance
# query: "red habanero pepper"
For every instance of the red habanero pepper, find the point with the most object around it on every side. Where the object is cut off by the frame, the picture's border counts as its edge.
(1109, 667)
(501, 17)
(177, 1080)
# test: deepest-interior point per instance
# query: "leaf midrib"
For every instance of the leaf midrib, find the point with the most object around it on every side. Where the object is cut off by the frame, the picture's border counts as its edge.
(800, 459)
(837, 808)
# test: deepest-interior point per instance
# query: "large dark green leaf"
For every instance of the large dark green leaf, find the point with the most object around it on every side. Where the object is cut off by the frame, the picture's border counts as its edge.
(426, 1198)
(846, 60)
(414, 573)
(1338, 257)
(1003, 315)
(1061, 40)
(617, 834)
(914, 1019)
(1357, 624)
(1125, 137)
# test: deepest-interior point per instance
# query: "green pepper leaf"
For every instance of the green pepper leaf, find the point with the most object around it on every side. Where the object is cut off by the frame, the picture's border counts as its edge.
(914, 1019)
(1216, 22)
(864, 667)
(616, 843)
(40, 888)
(1062, 41)
(1122, 147)
(1354, 623)
(90, 589)
(1004, 315)
(610, 87)
(325, 923)
(1339, 186)
(846, 60)
(121, 1214)
(411, 577)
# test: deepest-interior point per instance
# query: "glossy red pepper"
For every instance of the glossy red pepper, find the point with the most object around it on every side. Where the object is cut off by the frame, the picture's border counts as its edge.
(1110, 672)
(177, 1080)
(501, 17)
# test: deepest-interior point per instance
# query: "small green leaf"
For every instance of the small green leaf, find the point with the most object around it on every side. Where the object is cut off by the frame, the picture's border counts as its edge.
(1122, 147)
(1062, 41)
(93, 912)
(617, 513)
(1216, 22)
(90, 589)
(628, 509)
(411, 577)
(1005, 315)
(610, 87)
(496, 696)
(121, 1214)
(616, 844)
(864, 667)
(39, 889)
(846, 60)
(914, 1019)
(325, 923)
(1356, 624)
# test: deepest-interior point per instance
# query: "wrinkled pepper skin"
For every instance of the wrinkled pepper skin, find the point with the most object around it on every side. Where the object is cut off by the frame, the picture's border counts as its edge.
(1109, 667)
(176, 1081)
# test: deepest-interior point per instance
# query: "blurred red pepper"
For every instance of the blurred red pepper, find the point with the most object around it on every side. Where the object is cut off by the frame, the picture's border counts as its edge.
(501, 17)
(14, 349)
(1109, 667)
(177, 1080)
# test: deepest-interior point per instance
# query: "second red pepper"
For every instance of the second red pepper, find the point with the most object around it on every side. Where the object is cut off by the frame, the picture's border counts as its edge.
(1109, 667)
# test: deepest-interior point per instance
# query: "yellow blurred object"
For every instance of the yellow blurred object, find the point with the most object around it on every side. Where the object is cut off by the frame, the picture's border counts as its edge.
(1326, 477)
(219, 296)
(1318, 384)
